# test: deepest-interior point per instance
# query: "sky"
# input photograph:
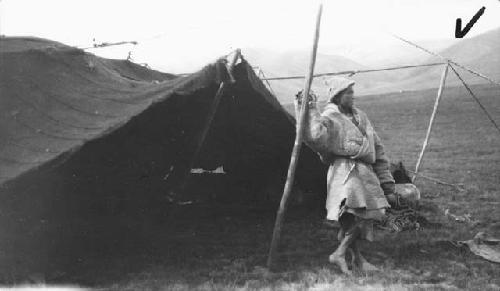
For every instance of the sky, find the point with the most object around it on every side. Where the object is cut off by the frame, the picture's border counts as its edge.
(182, 36)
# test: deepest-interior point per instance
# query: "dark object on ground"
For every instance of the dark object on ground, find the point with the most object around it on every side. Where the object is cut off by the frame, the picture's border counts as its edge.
(400, 220)
(403, 215)
(399, 173)
(484, 246)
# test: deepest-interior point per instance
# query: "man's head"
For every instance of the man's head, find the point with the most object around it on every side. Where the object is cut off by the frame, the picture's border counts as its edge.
(340, 91)
(344, 98)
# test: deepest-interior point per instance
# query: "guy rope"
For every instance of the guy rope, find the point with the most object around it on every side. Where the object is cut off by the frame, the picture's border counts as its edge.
(352, 72)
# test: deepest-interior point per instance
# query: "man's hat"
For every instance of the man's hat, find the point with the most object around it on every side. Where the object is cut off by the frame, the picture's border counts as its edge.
(337, 84)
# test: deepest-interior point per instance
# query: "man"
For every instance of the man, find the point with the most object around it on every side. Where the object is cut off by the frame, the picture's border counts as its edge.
(358, 177)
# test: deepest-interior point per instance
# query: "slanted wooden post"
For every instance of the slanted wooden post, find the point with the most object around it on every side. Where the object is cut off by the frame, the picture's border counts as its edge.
(210, 117)
(296, 148)
(431, 122)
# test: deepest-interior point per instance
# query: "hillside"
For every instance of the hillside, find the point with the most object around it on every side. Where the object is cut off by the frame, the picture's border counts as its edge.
(390, 52)
(294, 63)
(481, 53)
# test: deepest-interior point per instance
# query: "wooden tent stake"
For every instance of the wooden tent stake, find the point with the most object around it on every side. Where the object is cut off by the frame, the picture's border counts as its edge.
(431, 122)
(296, 148)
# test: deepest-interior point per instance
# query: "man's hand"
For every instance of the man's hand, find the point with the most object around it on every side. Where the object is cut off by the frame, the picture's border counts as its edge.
(312, 97)
(390, 194)
(393, 200)
(389, 188)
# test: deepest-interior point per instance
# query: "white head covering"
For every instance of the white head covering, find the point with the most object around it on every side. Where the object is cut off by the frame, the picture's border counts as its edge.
(337, 84)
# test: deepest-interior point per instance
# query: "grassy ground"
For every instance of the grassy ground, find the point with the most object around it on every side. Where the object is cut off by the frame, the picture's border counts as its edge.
(224, 247)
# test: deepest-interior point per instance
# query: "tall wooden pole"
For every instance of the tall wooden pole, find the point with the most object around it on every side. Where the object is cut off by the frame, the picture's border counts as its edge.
(296, 148)
(431, 122)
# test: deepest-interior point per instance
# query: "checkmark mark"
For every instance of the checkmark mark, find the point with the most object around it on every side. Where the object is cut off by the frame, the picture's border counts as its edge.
(459, 33)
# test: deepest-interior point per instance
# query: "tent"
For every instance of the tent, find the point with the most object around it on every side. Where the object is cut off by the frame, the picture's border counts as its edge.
(91, 144)
(77, 129)
(56, 100)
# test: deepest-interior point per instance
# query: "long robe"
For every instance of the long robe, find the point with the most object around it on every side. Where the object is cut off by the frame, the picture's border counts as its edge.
(358, 165)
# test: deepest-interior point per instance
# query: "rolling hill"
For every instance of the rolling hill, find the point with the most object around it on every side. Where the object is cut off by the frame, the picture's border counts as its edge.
(390, 52)
(480, 53)
(294, 63)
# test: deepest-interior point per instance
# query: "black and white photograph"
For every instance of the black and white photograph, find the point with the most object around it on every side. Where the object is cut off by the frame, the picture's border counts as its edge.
(250, 145)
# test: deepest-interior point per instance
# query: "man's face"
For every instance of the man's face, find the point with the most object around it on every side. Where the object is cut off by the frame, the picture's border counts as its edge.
(347, 99)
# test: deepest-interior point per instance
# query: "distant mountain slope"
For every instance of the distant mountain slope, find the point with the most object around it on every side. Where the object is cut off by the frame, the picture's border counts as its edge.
(295, 63)
(390, 52)
(480, 53)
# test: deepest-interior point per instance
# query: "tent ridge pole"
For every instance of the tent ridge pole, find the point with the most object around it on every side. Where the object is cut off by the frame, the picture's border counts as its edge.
(208, 123)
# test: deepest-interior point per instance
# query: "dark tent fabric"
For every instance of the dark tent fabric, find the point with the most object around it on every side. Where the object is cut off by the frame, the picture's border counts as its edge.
(89, 148)
(56, 99)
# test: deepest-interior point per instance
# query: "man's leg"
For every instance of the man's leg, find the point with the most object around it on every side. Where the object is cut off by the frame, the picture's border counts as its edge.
(366, 230)
(347, 236)
(360, 261)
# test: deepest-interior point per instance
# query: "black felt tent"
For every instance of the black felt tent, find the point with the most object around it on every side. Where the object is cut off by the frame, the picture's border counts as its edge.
(84, 136)
(60, 105)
